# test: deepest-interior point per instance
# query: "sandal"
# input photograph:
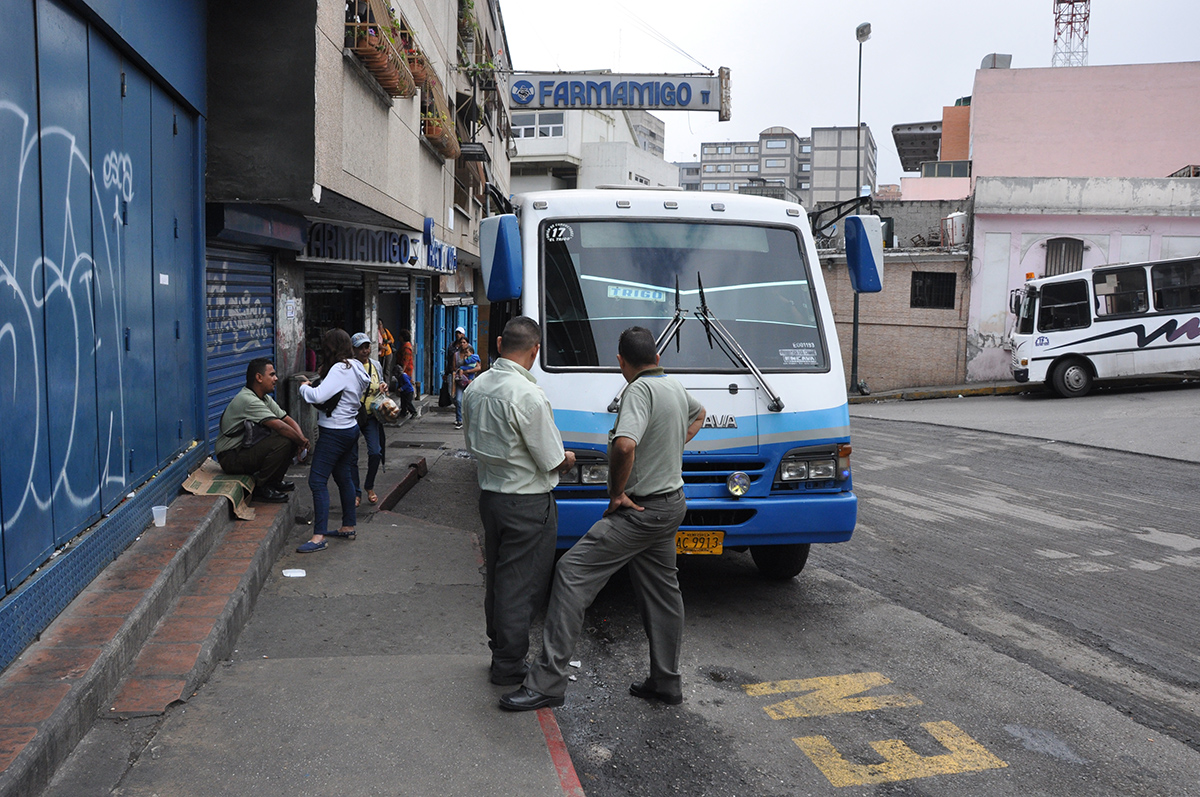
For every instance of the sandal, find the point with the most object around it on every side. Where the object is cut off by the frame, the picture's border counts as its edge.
(357, 500)
(371, 497)
(342, 535)
(312, 547)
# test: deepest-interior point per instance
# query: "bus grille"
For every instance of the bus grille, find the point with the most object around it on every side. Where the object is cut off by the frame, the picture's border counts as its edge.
(718, 472)
(717, 518)
(1016, 361)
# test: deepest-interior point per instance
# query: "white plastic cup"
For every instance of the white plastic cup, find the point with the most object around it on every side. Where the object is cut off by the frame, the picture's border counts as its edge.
(160, 515)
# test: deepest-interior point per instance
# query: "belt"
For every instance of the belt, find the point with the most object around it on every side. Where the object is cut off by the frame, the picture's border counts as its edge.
(637, 499)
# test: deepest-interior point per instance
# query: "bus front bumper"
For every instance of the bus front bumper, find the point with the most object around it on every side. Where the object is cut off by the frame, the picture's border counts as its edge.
(777, 520)
(1021, 374)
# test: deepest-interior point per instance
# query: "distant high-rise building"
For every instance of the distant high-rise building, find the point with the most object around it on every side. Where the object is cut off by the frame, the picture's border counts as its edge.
(689, 175)
(818, 168)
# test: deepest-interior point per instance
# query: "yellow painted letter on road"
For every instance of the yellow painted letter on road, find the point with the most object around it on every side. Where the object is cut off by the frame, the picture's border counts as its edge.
(900, 762)
(828, 695)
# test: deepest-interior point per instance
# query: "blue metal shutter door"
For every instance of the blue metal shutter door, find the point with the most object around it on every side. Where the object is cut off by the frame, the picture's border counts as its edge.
(240, 323)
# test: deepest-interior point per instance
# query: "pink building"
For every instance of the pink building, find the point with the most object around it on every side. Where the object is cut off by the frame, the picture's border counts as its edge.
(1070, 168)
(1140, 120)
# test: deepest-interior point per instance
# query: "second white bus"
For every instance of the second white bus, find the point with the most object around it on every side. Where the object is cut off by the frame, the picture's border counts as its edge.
(1107, 322)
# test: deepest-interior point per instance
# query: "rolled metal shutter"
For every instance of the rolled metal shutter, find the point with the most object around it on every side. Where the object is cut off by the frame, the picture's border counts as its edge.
(240, 323)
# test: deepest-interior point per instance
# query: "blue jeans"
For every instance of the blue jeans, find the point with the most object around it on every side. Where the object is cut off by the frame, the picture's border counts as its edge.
(458, 391)
(332, 455)
(373, 434)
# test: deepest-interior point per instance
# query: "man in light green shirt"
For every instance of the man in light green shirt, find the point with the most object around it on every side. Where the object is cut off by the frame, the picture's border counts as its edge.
(509, 427)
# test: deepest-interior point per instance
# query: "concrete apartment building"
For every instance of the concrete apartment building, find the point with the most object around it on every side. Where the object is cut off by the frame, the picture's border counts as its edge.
(366, 134)
(819, 168)
(558, 149)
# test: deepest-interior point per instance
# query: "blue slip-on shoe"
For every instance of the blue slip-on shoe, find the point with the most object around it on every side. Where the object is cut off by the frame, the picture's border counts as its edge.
(312, 547)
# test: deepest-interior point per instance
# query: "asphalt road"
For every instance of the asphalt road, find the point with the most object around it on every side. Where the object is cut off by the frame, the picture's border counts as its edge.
(1013, 574)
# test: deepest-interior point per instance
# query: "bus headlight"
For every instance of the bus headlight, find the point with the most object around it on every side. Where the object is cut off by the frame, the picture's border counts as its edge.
(570, 477)
(815, 464)
(594, 472)
(793, 470)
(821, 470)
(738, 484)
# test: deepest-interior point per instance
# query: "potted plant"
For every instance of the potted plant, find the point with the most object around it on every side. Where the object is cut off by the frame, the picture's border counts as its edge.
(466, 18)
(418, 65)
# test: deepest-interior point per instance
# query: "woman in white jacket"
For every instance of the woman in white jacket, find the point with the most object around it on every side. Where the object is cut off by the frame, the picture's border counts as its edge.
(341, 375)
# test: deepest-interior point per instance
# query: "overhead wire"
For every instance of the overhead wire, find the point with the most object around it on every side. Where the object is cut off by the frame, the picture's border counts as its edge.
(661, 38)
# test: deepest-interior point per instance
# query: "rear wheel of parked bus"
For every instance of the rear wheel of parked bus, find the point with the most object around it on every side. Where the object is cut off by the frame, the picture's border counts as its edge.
(1072, 378)
(780, 561)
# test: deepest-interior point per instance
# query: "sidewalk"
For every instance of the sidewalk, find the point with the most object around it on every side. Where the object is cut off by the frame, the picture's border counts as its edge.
(368, 675)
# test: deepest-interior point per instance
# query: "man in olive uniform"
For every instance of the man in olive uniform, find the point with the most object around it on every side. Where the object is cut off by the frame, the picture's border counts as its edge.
(645, 507)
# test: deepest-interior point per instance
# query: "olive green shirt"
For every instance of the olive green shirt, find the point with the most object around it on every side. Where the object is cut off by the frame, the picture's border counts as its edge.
(246, 406)
(509, 427)
(655, 414)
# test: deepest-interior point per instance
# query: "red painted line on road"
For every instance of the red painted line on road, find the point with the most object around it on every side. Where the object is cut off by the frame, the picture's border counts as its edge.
(559, 755)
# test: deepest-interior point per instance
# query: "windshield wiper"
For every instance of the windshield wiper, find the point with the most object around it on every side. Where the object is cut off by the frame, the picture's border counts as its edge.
(673, 325)
(672, 330)
(731, 347)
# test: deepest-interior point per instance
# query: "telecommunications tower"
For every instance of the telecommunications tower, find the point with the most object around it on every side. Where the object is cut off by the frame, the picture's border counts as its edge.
(1070, 32)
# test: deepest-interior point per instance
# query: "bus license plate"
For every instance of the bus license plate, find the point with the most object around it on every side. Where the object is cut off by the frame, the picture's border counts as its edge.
(699, 541)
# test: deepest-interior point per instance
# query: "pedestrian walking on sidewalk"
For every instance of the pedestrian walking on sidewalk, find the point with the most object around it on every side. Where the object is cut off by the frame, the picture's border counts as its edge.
(368, 423)
(510, 430)
(645, 507)
(337, 398)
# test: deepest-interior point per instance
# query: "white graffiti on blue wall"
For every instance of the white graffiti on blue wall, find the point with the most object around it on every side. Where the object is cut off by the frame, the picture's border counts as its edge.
(73, 273)
(237, 322)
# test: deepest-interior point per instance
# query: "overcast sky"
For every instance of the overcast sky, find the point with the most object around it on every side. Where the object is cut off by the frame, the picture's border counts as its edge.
(794, 63)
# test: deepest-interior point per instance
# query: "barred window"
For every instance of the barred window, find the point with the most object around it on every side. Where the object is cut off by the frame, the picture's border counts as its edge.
(933, 289)
(1063, 256)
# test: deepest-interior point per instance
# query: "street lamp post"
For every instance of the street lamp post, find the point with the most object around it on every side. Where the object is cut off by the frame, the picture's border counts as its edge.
(861, 33)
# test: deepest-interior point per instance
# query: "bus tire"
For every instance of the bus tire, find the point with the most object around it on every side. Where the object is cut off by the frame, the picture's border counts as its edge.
(780, 562)
(1072, 378)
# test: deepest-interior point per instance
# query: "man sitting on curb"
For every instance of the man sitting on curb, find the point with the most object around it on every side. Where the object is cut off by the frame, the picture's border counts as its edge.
(278, 436)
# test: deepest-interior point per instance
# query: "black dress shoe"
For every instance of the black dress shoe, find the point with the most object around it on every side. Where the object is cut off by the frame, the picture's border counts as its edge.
(283, 486)
(525, 699)
(269, 495)
(646, 692)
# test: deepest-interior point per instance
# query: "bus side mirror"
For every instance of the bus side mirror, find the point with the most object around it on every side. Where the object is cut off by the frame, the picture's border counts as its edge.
(1014, 300)
(864, 253)
(500, 257)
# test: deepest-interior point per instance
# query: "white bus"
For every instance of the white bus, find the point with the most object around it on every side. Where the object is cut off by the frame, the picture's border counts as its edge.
(732, 289)
(1107, 322)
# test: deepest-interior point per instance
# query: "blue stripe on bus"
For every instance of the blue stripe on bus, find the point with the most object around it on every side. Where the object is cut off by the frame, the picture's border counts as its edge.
(576, 424)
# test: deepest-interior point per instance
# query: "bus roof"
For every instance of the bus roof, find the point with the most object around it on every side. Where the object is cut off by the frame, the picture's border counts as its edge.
(662, 202)
(1086, 273)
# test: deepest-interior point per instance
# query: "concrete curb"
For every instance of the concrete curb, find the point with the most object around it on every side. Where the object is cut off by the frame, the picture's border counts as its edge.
(922, 393)
(35, 765)
(240, 606)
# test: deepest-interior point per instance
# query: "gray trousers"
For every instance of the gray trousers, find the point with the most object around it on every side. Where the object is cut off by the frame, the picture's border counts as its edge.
(646, 542)
(518, 548)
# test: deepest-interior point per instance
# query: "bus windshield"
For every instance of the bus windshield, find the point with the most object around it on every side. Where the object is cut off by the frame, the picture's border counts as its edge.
(600, 277)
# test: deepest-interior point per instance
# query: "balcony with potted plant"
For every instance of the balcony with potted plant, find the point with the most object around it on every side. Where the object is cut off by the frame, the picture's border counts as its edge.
(378, 43)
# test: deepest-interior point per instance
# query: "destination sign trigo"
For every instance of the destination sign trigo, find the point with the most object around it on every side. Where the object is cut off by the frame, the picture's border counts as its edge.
(601, 90)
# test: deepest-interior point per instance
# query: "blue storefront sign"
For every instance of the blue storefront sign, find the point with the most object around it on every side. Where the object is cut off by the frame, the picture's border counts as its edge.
(538, 91)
